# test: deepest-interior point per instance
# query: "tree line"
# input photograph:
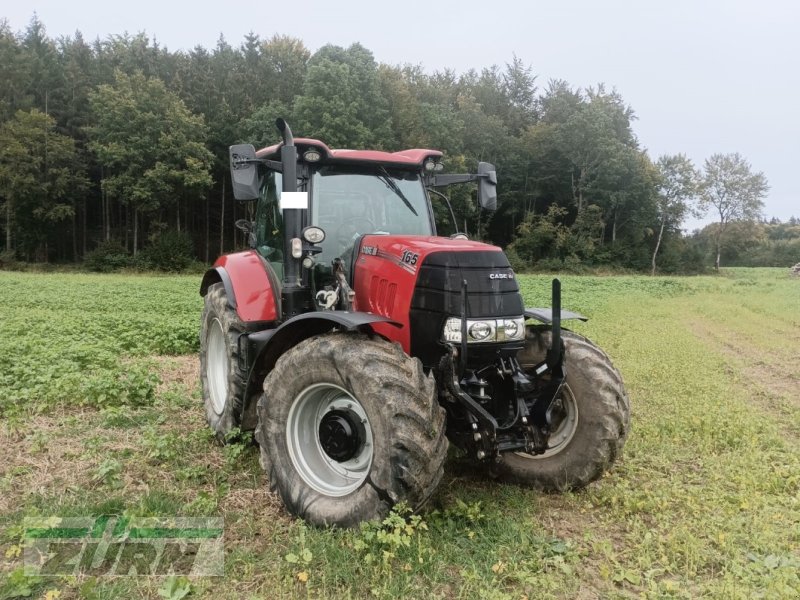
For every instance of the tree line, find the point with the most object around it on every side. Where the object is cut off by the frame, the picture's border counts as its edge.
(122, 142)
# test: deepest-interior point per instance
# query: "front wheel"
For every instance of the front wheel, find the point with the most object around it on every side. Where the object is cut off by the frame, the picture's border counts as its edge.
(594, 413)
(348, 426)
(222, 382)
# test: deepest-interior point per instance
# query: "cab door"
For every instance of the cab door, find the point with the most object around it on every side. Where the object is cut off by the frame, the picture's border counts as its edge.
(269, 222)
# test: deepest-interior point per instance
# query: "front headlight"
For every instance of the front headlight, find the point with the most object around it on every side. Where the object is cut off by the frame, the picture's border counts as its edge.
(479, 331)
(484, 330)
(512, 328)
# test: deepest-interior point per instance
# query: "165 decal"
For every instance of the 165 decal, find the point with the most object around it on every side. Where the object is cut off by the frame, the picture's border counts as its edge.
(408, 257)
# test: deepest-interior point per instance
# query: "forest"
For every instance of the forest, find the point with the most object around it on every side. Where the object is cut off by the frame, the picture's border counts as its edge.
(114, 153)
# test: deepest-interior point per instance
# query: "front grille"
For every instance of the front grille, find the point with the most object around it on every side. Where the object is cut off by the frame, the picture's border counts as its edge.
(492, 291)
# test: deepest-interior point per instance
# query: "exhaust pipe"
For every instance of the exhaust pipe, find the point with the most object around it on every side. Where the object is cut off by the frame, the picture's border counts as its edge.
(286, 132)
(554, 353)
(293, 299)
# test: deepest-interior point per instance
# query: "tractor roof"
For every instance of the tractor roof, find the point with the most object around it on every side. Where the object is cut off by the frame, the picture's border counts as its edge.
(404, 158)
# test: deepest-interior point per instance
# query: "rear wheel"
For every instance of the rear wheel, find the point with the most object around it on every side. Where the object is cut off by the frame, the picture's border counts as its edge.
(223, 385)
(593, 413)
(348, 426)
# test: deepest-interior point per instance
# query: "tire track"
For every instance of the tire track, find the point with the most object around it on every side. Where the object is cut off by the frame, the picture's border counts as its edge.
(772, 379)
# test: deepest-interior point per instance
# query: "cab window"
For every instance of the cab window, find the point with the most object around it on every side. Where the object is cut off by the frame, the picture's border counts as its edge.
(269, 222)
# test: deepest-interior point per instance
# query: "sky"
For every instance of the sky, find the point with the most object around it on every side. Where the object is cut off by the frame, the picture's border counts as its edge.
(703, 76)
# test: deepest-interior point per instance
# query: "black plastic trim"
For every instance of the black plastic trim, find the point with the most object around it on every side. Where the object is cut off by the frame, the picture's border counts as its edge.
(221, 274)
(545, 315)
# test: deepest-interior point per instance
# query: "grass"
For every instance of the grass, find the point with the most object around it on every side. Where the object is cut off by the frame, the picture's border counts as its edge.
(102, 415)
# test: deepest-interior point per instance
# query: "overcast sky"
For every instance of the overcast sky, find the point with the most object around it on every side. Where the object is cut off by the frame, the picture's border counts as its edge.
(702, 76)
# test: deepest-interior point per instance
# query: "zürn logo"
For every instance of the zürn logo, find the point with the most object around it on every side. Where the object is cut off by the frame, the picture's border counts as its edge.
(110, 545)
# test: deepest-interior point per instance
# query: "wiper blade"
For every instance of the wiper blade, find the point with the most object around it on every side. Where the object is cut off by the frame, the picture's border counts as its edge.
(390, 183)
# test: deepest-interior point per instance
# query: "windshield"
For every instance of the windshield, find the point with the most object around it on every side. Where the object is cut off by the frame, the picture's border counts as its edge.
(349, 203)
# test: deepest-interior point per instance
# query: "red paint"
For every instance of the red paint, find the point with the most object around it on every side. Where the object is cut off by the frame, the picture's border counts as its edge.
(251, 286)
(412, 157)
(384, 284)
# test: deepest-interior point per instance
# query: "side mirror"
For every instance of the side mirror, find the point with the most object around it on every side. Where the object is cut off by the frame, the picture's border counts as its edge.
(487, 186)
(244, 173)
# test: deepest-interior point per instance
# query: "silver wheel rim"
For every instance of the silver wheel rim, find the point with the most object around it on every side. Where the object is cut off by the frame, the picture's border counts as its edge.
(217, 367)
(562, 436)
(321, 472)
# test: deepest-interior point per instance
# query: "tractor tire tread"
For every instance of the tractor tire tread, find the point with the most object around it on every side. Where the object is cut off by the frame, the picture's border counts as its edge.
(400, 401)
(604, 419)
(216, 306)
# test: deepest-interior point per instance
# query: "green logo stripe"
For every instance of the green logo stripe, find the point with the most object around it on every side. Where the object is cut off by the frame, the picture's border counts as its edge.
(180, 532)
(100, 526)
(57, 532)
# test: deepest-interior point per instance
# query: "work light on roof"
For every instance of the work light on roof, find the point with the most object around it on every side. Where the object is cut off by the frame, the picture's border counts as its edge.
(429, 165)
(312, 155)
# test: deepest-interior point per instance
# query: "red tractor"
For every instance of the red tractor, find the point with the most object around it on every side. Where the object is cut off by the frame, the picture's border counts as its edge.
(356, 342)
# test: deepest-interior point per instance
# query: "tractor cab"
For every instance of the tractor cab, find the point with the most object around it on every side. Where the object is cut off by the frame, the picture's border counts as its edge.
(347, 194)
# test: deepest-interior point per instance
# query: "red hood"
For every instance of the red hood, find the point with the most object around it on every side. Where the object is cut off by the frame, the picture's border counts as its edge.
(386, 273)
(393, 247)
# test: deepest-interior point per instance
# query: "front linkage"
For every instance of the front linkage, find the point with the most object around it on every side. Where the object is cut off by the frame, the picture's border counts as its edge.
(535, 411)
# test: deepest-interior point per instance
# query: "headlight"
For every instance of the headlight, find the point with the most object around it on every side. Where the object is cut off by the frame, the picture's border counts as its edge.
(452, 331)
(479, 331)
(511, 328)
(313, 235)
(484, 330)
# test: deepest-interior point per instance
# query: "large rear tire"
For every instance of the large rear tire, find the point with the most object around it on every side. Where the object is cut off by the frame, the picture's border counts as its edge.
(222, 382)
(596, 419)
(349, 426)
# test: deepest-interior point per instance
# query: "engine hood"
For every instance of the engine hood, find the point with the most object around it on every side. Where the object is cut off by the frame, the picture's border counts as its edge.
(394, 275)
(409, 252)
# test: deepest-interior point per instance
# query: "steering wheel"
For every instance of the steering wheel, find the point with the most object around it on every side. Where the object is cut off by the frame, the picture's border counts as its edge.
(351, 229)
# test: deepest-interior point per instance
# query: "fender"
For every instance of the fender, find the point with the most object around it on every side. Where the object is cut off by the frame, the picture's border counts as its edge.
(250, 286)
(266, 347)
(219, 275)
(545, 315)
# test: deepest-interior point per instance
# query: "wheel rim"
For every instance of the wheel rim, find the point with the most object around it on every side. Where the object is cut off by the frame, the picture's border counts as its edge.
(329, 439)
(565, 431)
(217, 367)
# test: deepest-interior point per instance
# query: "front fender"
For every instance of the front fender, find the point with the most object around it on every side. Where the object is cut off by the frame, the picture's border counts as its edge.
(267, 346)
(545, 315)
(250, 285)
(271, 343)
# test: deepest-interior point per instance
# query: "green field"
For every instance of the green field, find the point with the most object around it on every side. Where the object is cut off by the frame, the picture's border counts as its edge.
(101, 414)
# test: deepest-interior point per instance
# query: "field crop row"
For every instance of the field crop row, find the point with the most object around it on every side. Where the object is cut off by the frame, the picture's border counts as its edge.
(87, 339)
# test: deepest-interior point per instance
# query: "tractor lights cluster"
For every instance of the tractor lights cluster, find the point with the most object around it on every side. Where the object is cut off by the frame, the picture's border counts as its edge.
(431, 165)
(484, 330)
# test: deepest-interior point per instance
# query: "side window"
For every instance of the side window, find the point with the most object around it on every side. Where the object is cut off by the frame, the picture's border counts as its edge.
(445, 226)
(269, 222)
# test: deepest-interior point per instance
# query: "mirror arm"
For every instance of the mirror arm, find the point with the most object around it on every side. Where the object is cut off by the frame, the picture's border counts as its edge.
(273, 165)
(445, 180)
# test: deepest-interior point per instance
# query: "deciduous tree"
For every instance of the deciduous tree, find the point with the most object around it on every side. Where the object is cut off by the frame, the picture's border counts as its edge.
(152, 148)
(733, 191)
(677, 188)
(41, 177)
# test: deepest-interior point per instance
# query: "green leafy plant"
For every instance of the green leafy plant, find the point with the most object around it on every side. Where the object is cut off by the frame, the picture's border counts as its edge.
(175, 588)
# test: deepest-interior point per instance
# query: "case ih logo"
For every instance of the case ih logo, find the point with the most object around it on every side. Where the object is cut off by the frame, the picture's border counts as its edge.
(369, 250)
(501, 276)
